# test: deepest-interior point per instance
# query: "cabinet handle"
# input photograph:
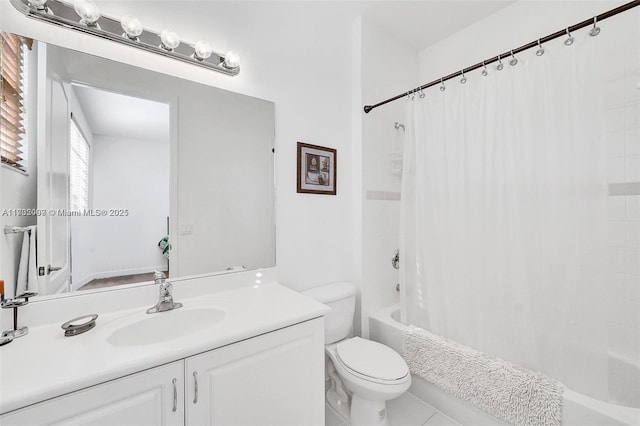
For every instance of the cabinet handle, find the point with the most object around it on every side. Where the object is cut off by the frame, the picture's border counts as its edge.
(175, 395)
(195, 386)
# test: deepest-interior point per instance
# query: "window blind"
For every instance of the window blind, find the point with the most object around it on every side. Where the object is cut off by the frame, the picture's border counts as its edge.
(12, 100)
(79, 169)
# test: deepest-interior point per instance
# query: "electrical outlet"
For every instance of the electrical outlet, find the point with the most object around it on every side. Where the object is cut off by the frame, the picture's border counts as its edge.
(186, 229)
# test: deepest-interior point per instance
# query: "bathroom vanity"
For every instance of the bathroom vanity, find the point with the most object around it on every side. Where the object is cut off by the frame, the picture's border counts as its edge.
(248, 354)
(242, 349)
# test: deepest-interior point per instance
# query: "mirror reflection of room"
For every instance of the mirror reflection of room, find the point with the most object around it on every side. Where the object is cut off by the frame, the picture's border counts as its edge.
(17, 149)
(131, 147)
(92, 190)
(122, 166)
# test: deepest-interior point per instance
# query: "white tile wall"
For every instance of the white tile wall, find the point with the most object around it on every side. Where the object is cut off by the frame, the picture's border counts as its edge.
(622, 101)
(380, 185)
(624, 288)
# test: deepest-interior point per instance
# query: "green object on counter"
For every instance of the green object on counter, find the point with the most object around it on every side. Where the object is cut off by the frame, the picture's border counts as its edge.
(165, 246)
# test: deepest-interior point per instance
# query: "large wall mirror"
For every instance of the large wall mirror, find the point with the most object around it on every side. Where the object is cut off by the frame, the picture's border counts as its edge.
(127, 171)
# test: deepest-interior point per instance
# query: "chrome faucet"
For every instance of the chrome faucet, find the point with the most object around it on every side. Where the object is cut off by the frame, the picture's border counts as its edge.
(165, 303)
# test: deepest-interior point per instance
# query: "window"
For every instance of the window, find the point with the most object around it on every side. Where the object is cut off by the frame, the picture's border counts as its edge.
(12, 99)
(79, 169)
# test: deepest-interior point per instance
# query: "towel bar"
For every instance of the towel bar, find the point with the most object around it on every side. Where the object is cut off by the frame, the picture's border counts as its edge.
(8, 229)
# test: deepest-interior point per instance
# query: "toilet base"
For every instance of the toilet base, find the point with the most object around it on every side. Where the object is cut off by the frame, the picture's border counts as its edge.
(337, 396)
(365, 412)
(339, 405)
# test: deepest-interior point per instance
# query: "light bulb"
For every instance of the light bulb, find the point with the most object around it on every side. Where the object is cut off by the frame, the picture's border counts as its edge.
(88, 12)
(170, 40)
(38, 4)
(202, 50)
(131, 26)
(231, 60)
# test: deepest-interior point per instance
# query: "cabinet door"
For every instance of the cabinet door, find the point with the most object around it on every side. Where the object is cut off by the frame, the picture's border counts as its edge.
(273, 379)
(147, 398)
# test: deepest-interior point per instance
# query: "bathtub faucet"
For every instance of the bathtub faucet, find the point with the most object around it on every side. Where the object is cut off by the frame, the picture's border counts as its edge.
(165, 302)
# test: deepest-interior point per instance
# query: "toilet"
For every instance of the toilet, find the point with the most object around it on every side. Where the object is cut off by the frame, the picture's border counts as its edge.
(371, 372)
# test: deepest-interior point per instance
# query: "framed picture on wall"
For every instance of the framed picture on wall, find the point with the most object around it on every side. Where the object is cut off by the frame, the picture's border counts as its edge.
(316, 169)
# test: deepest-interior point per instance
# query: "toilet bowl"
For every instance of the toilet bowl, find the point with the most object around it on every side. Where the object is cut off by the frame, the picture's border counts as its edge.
(371, 372)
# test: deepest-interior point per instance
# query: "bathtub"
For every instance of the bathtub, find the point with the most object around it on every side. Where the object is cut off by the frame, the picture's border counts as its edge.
(578, 410)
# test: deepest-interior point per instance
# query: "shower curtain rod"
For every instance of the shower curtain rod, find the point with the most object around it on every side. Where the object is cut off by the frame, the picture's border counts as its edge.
(557, 34)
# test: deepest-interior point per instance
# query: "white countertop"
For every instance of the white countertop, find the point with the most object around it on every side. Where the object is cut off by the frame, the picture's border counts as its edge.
(45, 364)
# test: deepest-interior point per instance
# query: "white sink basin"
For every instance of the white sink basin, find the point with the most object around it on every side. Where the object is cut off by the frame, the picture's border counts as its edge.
(164, 326)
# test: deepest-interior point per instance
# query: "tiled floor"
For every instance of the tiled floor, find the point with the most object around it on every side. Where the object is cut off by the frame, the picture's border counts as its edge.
(406, 410)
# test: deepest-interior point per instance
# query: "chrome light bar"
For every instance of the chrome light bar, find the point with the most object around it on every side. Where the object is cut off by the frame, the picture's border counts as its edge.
(64, 15)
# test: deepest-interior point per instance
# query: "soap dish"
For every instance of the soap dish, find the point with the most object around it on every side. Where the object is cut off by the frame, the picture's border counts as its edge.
(79, 325)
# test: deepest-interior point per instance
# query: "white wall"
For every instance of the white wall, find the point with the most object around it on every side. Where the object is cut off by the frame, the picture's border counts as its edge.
(129, 174)
(511, 27)
(380, 191)
(133, 175)
(527, 20)
(17, 190)
(622, 104)
(225, 182)
(301, 61)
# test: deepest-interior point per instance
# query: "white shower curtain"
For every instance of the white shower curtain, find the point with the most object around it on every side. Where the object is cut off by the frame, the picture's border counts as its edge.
(504, 198)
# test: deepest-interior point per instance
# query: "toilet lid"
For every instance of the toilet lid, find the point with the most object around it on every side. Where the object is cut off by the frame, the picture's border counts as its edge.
(372, 359)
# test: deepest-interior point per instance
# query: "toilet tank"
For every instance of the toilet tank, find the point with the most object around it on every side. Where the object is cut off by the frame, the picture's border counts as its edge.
(341, 298)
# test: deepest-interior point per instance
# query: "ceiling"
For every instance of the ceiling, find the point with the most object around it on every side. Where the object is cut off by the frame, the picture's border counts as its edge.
(422, 23)
(113, 114)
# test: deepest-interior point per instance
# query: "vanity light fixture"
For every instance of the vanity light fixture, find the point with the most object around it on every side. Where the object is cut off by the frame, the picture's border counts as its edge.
(84, 16)
(38, 4)
(132, 27)
(202, 50)
(231, 60)
(170, 40)
(88, 12)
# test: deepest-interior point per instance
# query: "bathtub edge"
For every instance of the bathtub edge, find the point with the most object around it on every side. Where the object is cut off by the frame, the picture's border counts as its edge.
(578, 409)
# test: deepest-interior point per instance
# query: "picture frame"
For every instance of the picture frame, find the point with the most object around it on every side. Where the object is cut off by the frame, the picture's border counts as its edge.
(317, 169)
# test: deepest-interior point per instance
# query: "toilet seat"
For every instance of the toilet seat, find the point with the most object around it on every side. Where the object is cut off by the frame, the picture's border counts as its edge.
(371, 361)
(372, 373)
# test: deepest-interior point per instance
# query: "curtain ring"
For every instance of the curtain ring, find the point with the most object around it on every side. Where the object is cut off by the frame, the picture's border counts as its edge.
(484, 69)
(422, 95)
(540, 50)
(513, 60)
(442, 88)
(463, 80)
(595, 30)
(500, 65)
(569, 41)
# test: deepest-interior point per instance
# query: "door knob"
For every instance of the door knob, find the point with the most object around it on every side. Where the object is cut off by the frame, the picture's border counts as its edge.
(51, 269)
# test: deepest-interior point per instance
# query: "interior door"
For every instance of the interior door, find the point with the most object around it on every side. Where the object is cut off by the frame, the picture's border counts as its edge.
(53, 232)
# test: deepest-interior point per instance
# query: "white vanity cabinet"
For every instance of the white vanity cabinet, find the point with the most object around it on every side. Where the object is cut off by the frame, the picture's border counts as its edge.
(275, 378)
(151, 397)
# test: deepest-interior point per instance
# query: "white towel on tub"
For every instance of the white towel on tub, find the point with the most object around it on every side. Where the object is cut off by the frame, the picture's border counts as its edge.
(27, 281)
(504, 390)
